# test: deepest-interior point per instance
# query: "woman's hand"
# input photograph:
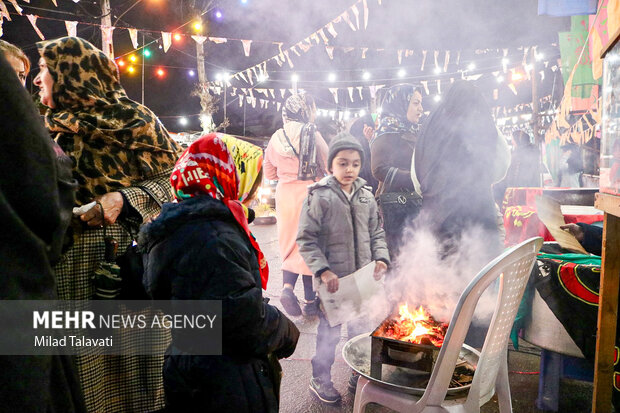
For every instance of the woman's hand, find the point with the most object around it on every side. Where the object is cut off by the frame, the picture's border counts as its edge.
(110, 204)
(331, 280)
(380, 269)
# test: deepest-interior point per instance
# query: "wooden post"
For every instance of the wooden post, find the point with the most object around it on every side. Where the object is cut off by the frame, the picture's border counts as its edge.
(608, 304)
(106, 20)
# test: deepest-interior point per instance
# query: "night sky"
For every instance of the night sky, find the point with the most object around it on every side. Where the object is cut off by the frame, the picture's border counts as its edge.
(465, 25)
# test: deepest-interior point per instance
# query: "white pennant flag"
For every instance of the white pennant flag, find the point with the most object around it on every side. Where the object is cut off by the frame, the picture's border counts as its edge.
(357, 16)
(425, 86)
(218, 40)
(278, 105)
(166, 39)
(347, 19)
(348, 49)
(364, 50)
(436, 54)
(33, 21)
(373, 91)
(400, 56)
(4, 12)
(246, 46)
(1, 19)
(282, 93)
(423, 60)
(334, 91)
(359, 90)
(55, 4)
(408, 52)
(255, 72)
(243, 77)
(273, 93)
(240, 102)
(16, 7)
(330, 51)
(197, 38)
(304, 46)
(439, 86)
(446, 61)
(133, 35)
(288, 59)
(249, 73)
(350, 89)
(504, 60)
(322, 34)
(314, 36)
(365, 14)
(294, 49)
(331, 30)
(71, 27)
(253, 102)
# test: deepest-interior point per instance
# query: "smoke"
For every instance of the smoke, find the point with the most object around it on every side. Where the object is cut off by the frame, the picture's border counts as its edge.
(425, 274)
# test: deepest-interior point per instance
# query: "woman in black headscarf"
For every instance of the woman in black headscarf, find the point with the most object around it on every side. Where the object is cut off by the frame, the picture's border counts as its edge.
(391, 152)
(459, 155)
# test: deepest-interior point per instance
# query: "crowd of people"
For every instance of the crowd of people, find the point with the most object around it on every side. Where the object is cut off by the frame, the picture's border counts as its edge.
(111, 158)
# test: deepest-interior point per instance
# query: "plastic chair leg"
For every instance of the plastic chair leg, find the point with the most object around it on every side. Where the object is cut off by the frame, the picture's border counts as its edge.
(549, 381)
(502, 389)
(359, 405)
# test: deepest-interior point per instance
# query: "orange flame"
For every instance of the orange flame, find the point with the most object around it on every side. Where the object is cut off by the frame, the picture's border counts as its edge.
(416, 327)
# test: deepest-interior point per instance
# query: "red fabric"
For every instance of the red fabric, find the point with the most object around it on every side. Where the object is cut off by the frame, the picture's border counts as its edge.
(208, 168)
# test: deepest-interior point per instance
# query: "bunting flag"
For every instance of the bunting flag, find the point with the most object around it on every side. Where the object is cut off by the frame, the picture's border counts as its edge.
(197, 38)
(373, 91)
(348, 49)
(425, 86)
(294, 49)
(166, 40)
(273, 93)
(288, 59)
(1, 19)
(330, 51)
(33, 21)
(246, 47)
(439, 86)
(71, 27)
(4, 12)
(364, 50)
(408, 52)
(347, 19)
(423, 60)
(304, 46)
(436, 54)
(505, 60)
(359, 91)
(334, 92)
(133, 35)
(255, 72)
(218, 40)
(55, 4)
(243, 77)
(331, 30)
(350, 89)
(400, 56)
(314, 36)
(365, 14)
(322, 34)
(249, 73)
(446, 61)
(16, 7)
(356, 12)
(240, 102)
(278, 105)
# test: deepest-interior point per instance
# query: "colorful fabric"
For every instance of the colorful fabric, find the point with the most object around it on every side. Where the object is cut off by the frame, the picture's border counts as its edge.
(393, 118)
(207, 167)
(248, 159)
(113, 141)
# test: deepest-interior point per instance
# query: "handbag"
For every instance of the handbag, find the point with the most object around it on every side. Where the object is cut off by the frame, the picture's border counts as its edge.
(397, 206)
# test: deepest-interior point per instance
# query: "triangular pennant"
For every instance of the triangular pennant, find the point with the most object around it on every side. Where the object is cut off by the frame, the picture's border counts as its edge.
(357, 15)
(246, 47)
(331, 30)
(234, 91)
(359, 90)
(273, 93)
(400, 56)
(334, 91)
(436, 54)
(1, 19)
(525, 52)
(373, 91)
(133, 35)
(542, 75)
(322, 34)
(249, 73)
(71, 27)
(282, 93)
(505, 60)
(251, 93)
(4, 12)
(304, 46)
(255, 72)
(364, 50)
(253, 102)
(348, 49)
(166, 40)
(512, 87)
(197, 38)
(314, 36)
(423, 60)
(16, 7)
(243, 77)
(278, 105)
(365, 14)
(278, 61)
(288, 59)
(446, 61)
(330, 51)
(240, 102)
(347, 19)
(262, 103)
(218, 40)
(33, 21)
(408, 52)
(294, 49)
(425, 86)
(350, 89)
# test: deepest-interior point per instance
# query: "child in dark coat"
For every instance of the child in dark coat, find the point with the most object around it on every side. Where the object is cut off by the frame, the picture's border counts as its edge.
(339, 233)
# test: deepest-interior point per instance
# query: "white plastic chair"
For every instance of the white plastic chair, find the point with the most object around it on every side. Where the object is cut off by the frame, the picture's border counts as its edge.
(513, 269)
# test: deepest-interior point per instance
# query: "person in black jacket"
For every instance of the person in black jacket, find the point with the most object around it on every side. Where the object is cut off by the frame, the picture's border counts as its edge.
(201, 248)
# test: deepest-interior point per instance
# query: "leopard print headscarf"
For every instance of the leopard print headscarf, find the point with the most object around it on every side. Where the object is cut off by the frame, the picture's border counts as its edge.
(112, 141)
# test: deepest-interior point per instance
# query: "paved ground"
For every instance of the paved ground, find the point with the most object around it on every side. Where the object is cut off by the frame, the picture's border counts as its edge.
(575, 396)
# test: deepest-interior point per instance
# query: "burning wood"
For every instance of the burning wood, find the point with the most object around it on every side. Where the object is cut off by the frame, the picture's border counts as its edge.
(417, 327)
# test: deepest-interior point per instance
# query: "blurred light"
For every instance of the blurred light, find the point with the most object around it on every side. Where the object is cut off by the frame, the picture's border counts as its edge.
(331, 77)
(516, 76)
(146, 53)
(226, 76)
(262, 77)
(183, 121)
(218, 14)
(528, 68)
(120, 62)
(366, 75)
(437, 98)
(160, 46)
(160, 72)
(379, 109)
(401, 72)
(133, 58)
(505, 61)
(471, 66)
(362, 112)
(177, 37)
(191, 73)
(197, 26)
(130, 69)
(294, 77)
(539, 56)
(218, 76)
(347, 114)
(500, 79)
(437, 70)
(332, 113)
(205, 119)
(515, 119)
(244, 1)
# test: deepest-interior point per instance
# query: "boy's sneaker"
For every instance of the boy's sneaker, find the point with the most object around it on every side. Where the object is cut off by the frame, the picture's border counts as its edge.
(289, 301)
(311, 308)
(352, 385)
(324, 390)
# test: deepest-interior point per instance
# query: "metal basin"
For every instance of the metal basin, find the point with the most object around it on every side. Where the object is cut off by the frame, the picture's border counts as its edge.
(544, 330)
(356, 352)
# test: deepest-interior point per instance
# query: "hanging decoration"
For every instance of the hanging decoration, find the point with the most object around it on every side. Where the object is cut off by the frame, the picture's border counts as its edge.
(33, 21)
(71, 27)
(166, 39)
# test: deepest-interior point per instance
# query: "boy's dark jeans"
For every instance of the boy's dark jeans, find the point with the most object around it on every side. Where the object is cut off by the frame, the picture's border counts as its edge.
(326, 341)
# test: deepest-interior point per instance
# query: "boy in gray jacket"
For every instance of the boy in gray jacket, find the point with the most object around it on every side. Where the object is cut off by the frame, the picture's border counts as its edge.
(339, 233)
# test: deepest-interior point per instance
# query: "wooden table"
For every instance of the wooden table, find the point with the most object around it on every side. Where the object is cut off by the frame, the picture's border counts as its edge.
(608, 304)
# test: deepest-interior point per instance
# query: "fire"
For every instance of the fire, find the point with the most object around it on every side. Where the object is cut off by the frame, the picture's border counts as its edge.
(416, 327)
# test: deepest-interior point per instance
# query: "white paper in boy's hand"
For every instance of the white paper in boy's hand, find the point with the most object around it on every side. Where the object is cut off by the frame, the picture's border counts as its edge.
(351, 299)
(77, 211)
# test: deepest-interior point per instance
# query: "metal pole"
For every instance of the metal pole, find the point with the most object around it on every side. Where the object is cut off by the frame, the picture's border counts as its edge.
(106, 20)
(535, 116)
(243, 119)
(143, 57)
(225, 104)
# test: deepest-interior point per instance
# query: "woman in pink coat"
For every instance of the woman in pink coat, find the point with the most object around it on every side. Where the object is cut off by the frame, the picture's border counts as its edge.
(296, 140)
